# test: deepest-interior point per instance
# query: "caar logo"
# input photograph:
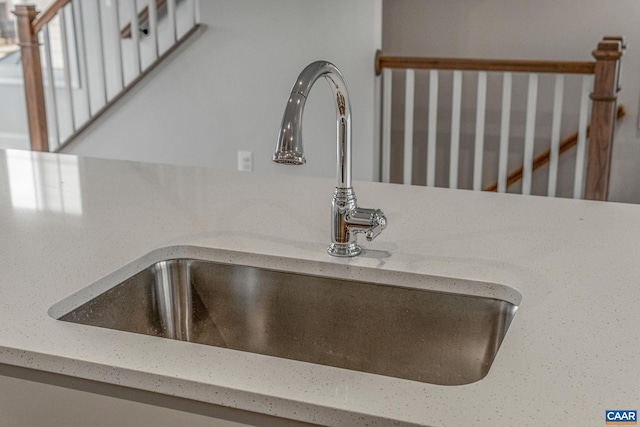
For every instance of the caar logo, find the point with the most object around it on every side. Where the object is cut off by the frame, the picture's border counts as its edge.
(621, 417)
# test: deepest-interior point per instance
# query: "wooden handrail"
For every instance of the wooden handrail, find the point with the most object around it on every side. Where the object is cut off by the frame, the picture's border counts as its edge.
(544, 158)
(47, 15)
(500, 65)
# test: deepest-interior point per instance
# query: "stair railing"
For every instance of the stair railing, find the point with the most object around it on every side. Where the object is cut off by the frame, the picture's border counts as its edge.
(90, 67)
(544, 158)
(599, 84)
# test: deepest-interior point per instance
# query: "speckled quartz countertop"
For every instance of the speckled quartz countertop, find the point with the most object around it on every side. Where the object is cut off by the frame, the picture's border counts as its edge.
(572, 351)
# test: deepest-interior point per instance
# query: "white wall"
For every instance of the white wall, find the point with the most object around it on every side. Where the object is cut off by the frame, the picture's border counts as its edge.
(544, 29)
(226, 90)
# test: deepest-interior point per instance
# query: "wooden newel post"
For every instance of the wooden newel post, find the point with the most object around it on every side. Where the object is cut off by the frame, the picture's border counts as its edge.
(603, 117)
(32, 71)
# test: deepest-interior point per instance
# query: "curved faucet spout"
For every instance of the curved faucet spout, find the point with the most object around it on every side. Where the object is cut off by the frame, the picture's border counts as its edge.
(347, 219)
(289, 148)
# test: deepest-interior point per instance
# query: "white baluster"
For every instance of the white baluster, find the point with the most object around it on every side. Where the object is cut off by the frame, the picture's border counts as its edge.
(66, 70)
(433, 123)
(507, 83)
(408, 125)
(83, 78)
(481, 104)
(135, 37)
(587, 85)
(455, 128)
(529, 139)
(153, 28)
(387, 76)
(115, 16)
(554, 150)
(52, 122)
(103, 57)
(173, 26)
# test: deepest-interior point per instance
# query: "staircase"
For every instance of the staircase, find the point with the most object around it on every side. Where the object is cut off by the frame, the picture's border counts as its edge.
(437, 136)
(81, 57)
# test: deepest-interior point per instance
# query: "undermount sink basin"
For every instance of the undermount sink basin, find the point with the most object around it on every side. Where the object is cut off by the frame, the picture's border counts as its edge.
(434, 337)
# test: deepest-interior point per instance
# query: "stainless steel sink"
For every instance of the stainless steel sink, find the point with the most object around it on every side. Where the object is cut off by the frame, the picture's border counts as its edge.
(428, 336)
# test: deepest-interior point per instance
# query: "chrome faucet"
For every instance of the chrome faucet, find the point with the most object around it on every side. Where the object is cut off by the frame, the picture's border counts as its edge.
(347, 219)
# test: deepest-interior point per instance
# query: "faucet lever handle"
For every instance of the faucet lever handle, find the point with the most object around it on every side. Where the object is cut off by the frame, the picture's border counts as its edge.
(373, 219)
(379, 224)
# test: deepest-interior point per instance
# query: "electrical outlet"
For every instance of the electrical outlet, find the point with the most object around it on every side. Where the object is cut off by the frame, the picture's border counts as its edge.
(245, 161)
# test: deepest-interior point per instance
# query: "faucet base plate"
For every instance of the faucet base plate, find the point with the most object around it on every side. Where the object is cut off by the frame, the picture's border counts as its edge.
(344, 249)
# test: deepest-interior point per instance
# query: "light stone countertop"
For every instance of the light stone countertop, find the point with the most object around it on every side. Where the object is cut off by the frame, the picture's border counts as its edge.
(572, 351)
